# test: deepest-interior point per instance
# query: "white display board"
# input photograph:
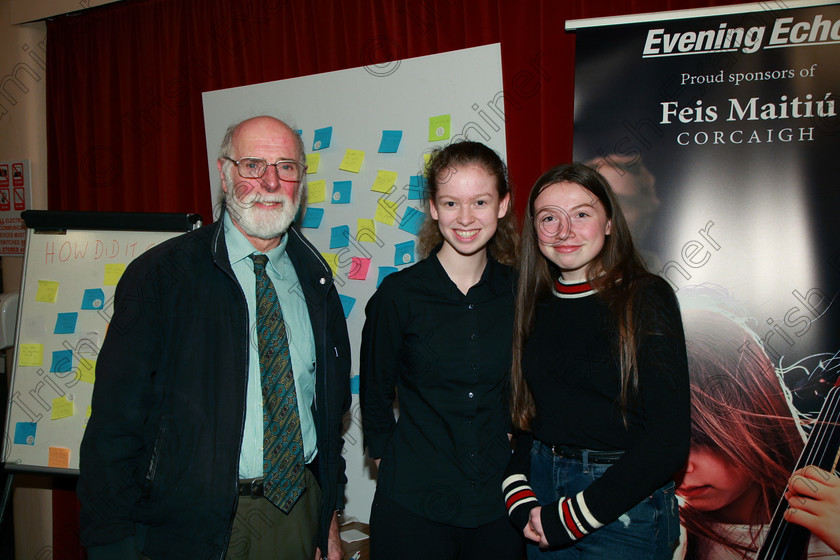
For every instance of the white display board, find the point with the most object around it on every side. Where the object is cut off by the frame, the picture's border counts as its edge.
(72, 264)
(457, 94)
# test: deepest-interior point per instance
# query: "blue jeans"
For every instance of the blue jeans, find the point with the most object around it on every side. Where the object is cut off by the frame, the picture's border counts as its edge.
(650, 530)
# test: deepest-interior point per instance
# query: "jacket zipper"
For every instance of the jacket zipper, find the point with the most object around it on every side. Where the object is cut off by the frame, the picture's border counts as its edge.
(244, 383)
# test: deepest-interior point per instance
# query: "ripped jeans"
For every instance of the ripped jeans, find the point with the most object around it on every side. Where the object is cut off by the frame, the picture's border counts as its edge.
(650, 530)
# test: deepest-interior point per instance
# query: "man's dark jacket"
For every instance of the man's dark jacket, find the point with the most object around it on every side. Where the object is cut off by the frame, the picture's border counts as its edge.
(162, 445)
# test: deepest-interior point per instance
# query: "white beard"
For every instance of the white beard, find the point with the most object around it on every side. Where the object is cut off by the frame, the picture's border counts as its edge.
(259, 222)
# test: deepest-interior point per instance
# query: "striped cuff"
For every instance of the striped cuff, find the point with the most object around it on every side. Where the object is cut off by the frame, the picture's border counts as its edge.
(519, 499)
(569, 521)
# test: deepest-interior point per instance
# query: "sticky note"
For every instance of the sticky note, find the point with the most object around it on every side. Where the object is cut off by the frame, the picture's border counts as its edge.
(312, 218)
(416, 187)
(62, 361)
(65, 323)
(47, 291)
(317, 191)
(386, 210)
(323, 137)
(93, 298)
(439, 128)
(89, 411)
(341, 192)
(383, 272)
(365, 230)
(359, 268)
(31, 355)
(404, 253)
(113, 273)
(86, 371)
(313, 162)
(384, 181)
(347, 304)
(412, 220)
(58, 458)
(25, 433)
(62, 408)
(390, 142)
(426, 159)
(354, 389)
(352, 160)
(339, 237)
(332, 260)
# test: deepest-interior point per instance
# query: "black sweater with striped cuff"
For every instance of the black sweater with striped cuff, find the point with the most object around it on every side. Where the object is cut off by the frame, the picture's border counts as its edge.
(570, 367)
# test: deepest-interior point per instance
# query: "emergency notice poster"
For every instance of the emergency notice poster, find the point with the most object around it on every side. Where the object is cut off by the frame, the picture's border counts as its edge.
(15, 197)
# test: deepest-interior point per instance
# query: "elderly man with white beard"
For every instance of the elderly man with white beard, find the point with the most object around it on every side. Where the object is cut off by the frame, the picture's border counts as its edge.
(222, 381)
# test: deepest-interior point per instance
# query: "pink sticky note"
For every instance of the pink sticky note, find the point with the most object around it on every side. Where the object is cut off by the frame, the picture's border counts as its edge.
(359, 268)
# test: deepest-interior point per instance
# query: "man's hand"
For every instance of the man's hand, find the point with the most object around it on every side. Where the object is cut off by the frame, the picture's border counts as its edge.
(335, 551)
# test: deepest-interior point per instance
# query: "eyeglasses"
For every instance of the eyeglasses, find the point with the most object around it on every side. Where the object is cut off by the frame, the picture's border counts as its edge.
(254, 168)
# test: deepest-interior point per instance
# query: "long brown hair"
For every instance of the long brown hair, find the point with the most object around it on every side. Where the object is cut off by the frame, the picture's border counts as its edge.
(443, 161)
(740, 410)
(617, 273)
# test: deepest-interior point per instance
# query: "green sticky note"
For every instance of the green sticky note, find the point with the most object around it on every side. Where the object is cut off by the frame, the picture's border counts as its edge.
(439, 128)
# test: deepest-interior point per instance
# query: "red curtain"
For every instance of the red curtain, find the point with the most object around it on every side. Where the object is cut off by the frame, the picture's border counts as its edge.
(125, 121)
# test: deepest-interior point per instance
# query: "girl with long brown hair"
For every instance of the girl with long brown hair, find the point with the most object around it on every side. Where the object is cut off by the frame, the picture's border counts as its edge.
(745, 441)
(599, 382)
(437, 340)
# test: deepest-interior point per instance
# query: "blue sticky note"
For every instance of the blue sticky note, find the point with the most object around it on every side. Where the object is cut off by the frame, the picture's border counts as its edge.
(93, 298)
(347, 304)
(323, 137)
(62, 361)
(312, 218)
(404, 253)
(25, 433)
(341, 192)
(390, 142)
(383, 272)
(65, 323)
(339, 237)
(354, 385)
(416, 187)
(412, 220)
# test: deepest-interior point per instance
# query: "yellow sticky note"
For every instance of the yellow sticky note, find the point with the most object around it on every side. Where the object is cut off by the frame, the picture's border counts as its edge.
(352, 161)
(385, 180)
(386, 210)
(439, 128)
(89, 410)
(365, 230)
(31, 355)
(317, 191)
(332, 260)
(47, 291)
(86, 371)
(62, 408)
(59, 458)
(113, 273)
(313, 162)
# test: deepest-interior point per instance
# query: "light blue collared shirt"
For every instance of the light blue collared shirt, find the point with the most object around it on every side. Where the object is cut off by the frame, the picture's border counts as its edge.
(301, 346)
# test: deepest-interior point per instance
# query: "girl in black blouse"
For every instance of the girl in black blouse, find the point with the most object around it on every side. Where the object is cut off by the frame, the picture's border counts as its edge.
(438, 335)
(599, 382)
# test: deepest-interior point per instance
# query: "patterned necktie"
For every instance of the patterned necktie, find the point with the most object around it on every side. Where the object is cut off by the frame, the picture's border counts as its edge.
(282, 443)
